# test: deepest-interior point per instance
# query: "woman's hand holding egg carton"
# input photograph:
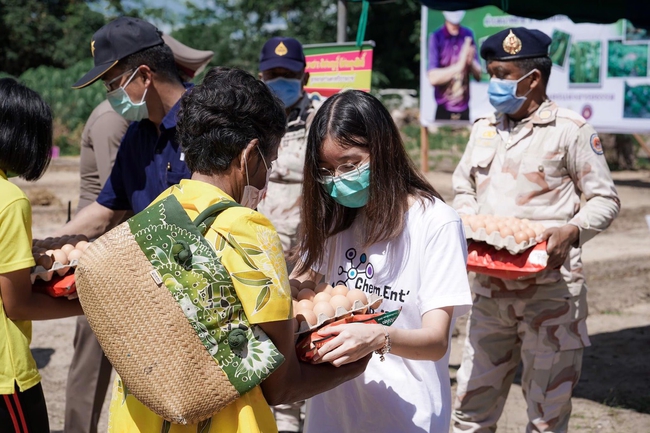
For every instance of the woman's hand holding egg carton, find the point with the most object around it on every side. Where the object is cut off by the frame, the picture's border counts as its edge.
(514, 234)
(317, 304)
(57, 255)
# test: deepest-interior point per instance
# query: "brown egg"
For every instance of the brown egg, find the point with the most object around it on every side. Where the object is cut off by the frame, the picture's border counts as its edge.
(502, 223)
(477, 224)
(60, 256)
(81, 245)
(307, 316)
(530, 233)
(491, 227)
(323, 287)
(357, 295)
(322, 297)
(74, 254)
(294, 292)
(305, 304)
(294, 282)
(45, 261)
(521, 236)
(81, 238)
(307, 285)
(324, 308)
(515, 227)
(341, 301)
(340, 290)
(67, 248)
(506, 231)
(306, 294)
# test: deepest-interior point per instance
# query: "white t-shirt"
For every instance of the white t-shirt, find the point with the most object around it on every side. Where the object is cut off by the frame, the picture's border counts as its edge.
(423, 269)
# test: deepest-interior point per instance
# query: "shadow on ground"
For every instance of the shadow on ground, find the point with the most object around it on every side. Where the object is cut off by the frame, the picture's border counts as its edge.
(42, 356)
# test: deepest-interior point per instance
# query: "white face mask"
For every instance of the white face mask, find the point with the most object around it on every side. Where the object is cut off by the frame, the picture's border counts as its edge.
(252, 196)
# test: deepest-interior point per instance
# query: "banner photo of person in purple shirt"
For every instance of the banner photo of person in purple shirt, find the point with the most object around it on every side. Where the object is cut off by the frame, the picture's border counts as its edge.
(452, 60)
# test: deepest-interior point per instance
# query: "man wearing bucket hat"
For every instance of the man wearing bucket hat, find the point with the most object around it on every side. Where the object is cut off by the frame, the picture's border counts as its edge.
(282, 68)
(530, 159)
(90, 370)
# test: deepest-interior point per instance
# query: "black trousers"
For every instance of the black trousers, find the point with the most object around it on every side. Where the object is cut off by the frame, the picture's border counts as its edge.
(443, 114)
(24, 412)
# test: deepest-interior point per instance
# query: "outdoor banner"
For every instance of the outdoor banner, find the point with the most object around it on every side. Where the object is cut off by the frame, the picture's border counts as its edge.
(599, 70)
(333, 67)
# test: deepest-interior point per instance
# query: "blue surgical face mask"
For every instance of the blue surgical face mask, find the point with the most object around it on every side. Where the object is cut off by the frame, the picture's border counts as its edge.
(503, 94)
(122, 104)
(347, 192)
(289, 90)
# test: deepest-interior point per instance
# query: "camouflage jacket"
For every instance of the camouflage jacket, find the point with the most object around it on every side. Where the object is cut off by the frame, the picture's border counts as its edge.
(288, 168)
(538, 169)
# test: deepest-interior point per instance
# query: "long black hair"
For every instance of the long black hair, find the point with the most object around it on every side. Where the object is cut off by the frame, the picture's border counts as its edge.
(25, 130)
(358, 119)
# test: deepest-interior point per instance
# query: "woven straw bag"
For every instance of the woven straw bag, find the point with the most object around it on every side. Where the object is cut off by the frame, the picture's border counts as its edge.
(166, 314)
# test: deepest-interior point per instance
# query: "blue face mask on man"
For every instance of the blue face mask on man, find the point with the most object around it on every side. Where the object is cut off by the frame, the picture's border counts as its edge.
(289, 90)
(350, 189)
(122, 104)
(503, 94)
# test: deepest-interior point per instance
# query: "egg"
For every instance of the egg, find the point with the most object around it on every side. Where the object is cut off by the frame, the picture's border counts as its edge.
(515, 227)
(60, 256)
(491, 227)
(81, 238)
(323, 287)
(307, 285)
(45, 261)
(307, 316)
(502, 223)
(75, 255)
(306, 294)
(81, 245)
(477, 224)
(324, 308)
(530, 233)
(294, 292)
(341, 301)
(294, 282)
(505, 232)
(521, 236)
(339, 290)
(539, 229)
(357, 295)
(322, 297)
(305, 304)
(294, 307)
(67, 248)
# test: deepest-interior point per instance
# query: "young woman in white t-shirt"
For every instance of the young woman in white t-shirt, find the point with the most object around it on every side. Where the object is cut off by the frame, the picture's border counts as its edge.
(371, 221)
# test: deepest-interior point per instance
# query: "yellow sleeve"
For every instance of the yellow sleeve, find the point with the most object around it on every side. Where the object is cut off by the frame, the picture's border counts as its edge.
(251, 251)
(16, 236)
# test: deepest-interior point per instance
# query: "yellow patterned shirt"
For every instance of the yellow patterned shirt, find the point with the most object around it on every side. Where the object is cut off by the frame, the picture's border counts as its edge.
(250, 413)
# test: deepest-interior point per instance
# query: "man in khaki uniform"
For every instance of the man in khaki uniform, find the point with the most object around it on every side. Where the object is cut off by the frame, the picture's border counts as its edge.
(531, 159)
(282, 68)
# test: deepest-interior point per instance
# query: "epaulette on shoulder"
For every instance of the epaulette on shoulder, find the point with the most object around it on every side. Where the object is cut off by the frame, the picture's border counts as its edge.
(571, 115)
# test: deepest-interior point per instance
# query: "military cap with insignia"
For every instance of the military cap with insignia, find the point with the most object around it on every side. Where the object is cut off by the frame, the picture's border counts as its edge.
(282, 52)
(515, 43)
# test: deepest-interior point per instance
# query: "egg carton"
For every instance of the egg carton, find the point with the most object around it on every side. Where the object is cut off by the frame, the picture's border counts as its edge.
(47, 274)
(374, 301)
(497, 241)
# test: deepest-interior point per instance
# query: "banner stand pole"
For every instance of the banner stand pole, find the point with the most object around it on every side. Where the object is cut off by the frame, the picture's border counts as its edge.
(642, 143)
(424, 149)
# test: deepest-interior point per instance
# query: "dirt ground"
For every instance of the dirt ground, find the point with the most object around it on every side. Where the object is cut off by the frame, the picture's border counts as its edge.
(613, 394)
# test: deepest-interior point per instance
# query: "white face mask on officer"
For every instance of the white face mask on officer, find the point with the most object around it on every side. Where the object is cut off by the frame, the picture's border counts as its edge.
(252, 196)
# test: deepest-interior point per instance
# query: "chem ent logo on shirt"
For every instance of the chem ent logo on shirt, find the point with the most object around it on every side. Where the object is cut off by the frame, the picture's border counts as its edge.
(354, 271)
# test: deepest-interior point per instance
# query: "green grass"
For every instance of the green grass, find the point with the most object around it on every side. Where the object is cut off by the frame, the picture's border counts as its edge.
(446, 145)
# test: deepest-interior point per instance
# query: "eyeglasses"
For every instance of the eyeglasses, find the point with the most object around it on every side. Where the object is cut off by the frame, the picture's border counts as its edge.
(109, 84)
(349, 170)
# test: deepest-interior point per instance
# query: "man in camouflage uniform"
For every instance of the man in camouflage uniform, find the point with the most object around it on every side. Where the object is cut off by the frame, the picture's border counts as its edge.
(531, 159)
(282, 68)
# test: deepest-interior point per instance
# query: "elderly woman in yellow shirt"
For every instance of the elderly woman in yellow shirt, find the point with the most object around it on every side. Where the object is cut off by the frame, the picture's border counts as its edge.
(230, 128)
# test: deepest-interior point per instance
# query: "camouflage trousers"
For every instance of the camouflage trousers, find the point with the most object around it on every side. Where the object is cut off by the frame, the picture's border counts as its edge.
(547, 335)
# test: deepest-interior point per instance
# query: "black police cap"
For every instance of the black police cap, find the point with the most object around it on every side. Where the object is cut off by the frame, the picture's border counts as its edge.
(116, 40)
(515, 43)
